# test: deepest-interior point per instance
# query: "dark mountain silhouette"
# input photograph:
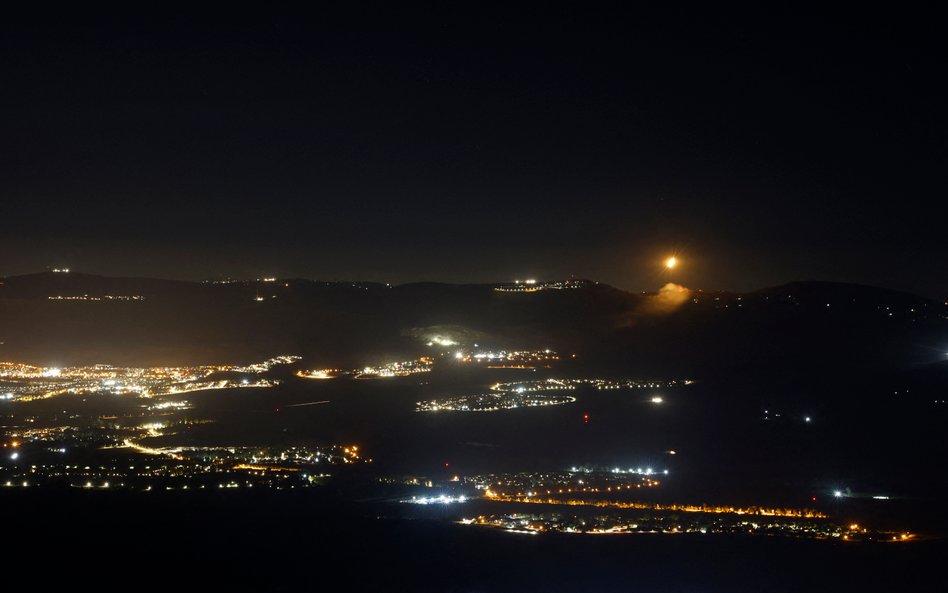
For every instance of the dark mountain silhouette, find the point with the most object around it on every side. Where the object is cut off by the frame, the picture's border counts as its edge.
(70, 318)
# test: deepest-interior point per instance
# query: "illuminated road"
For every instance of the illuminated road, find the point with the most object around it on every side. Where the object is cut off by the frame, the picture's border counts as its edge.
(150, 451)
(766, 512)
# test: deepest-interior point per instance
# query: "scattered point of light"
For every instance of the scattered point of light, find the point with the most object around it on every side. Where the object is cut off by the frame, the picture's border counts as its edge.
(657, 399)
(807, 419)
(838, 493)
(459, 355)
(671, 262)
(14, 456)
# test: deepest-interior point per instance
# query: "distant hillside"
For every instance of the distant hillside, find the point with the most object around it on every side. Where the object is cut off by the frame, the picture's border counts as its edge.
(796, 330)
(62, 318)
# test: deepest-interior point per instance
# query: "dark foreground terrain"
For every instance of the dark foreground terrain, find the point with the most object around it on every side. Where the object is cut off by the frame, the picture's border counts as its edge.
(302, 542)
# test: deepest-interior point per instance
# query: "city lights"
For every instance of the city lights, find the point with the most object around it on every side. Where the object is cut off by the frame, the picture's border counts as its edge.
(32, 383)
(387, 370)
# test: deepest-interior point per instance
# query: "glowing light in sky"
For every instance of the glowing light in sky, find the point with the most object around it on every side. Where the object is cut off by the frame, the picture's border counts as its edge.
(671, 262)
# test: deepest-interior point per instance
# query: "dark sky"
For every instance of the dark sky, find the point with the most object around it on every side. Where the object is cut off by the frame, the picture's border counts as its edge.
(474, 146)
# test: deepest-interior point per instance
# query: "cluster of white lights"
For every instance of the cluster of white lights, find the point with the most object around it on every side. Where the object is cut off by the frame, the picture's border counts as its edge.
(617, 470)
(443, 499)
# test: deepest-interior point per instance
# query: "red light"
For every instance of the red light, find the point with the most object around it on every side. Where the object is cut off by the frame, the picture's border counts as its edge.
(447, 464)
(586, 418)
(813, 498)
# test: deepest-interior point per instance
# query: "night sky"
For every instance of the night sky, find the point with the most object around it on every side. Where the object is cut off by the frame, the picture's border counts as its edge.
(471, 146)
